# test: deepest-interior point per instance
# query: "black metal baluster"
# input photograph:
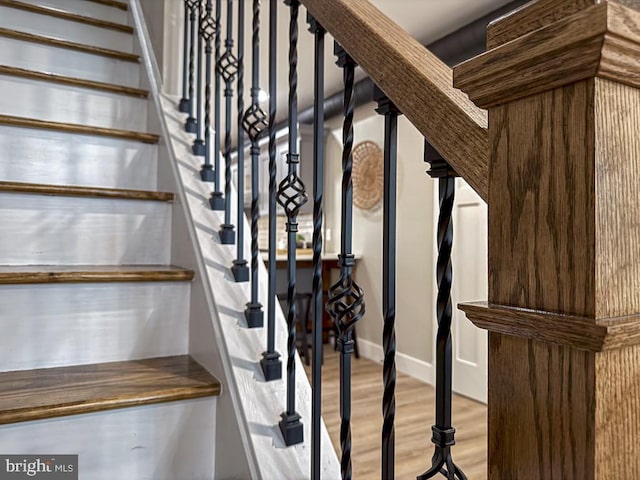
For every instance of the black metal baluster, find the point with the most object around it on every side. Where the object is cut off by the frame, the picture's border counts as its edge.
(391, 112)
(184, 106)
(316, 291)
(255, 123)
(292, 196)
(346, 298)
(443, 433)
(198, 147)
(217, 199)
(240, 268)
(270, 362)
(191, 124)
(208, 28)
(228, 68)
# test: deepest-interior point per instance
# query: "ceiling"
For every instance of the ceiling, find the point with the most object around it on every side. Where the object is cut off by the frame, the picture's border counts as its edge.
(425, 20)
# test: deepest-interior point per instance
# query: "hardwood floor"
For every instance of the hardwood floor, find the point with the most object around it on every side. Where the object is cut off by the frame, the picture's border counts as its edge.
(414, 417)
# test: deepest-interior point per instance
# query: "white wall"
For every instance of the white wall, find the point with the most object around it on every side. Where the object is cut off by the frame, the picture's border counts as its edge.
(416, 275)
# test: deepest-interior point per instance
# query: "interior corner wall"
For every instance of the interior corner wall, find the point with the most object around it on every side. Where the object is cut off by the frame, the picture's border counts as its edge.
(415, 236)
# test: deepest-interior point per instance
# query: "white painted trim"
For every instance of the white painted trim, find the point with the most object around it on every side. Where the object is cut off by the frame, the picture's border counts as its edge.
(414, 367)
(148, 56)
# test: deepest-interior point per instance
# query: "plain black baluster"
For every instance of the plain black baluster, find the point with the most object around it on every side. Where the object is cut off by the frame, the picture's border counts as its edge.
(228, 68)
(217, 199)
(270, 362)
(443, 433)
(191, 124)
(240, 268)
(292, 196)
(391, 112)
(184, 101)
(255, 123)
(316, 291)
(208, 29)
(346, 298)
(198, 147)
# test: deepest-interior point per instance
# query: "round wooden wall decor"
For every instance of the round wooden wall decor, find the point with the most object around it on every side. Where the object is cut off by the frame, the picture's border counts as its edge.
(368, 175)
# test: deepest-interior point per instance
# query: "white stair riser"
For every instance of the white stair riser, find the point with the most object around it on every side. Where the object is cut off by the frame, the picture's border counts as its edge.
(84, 160)
(65, 29)
(58, 230)
(86, 9)
(61, 61)
(168, 441)
(54, 325)
(68, 104)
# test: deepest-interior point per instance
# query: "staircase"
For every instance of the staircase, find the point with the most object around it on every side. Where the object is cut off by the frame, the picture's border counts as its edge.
(95, 351)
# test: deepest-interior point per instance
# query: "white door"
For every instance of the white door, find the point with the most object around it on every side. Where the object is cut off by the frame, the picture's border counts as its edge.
(470, 278)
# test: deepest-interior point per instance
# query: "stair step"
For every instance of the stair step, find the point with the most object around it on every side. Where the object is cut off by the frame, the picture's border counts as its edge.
(54, 42)
(75, 191)
(66, 15)
(28, 395)
(112, 3)
(86, 8)
(31, 274)
(72, 81)
(76, 128)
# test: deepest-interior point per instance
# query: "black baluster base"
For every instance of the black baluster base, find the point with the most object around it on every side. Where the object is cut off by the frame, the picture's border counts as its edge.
(185, 105)
(207, 174)
(199, 148)
(291, 428)
(271, 366)
(254, 315)
(217, 201)
(240, 270)
(191, 125)
(227, 234)
(442, 462)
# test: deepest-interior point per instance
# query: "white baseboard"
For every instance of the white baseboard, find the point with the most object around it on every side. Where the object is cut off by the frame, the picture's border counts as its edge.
(406, 364)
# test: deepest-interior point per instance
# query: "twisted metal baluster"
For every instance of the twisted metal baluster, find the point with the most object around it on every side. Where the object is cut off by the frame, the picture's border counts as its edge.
(184, 106)
(217, 199)
(443, 433)
(318, 187)
(391, 112)
(292, 196)
(240, 269)
(346, 298)
(191, 124)
(270, 362)
(228, 68)
(198, 144)
(255, 123)
(208, 29)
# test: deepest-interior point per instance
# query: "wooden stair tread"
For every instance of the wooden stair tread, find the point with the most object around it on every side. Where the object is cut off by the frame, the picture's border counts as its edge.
(52, 12)
(76, 128)
(33, 274)
(72, 81)
(111, 3)
(54, 392)
(54, 42)
(76, 191)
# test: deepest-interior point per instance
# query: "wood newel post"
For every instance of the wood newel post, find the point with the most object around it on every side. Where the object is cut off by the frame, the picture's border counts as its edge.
(561, 82)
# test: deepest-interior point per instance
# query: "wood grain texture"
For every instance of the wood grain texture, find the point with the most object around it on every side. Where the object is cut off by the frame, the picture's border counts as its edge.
(602, 40)
(52, 12)
(531, 17)
(541, 410)
(415, 80)
(542, 224)
(54, 42)
(54, 392)
(112, 3)
(75, 128)
(75, 191)
(71, 81)
(31, 274)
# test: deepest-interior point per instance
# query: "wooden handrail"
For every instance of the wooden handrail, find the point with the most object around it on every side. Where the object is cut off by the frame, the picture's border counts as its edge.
(415, 80)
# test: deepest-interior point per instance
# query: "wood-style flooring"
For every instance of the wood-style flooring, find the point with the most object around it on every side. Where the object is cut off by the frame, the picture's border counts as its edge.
(414, 416)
